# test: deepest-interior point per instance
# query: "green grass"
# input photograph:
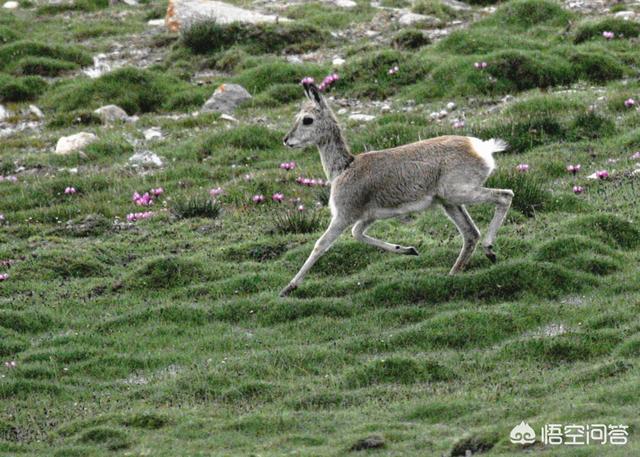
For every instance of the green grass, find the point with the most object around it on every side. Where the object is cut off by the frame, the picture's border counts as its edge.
(166, 336)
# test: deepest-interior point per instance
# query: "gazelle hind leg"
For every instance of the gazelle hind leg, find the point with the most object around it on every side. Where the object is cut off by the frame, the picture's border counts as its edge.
(359, 234)
(336, 227)
(503, 203)
(470, 234)
(500, 197)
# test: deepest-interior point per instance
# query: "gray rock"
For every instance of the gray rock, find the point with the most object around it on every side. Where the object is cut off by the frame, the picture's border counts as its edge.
(182, 14)
(358, 117)
(73, 143)
(154, 133)
(145, 159)
(111, 113)
(413, 18)
(226, 99)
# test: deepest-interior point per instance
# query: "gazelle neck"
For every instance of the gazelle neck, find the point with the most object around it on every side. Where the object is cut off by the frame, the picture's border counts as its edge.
(334, 153)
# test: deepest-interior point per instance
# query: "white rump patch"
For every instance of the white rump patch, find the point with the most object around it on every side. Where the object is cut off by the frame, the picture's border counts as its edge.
(485, 149)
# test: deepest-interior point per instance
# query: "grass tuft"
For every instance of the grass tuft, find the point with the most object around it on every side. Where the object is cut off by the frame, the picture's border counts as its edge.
(195, 206)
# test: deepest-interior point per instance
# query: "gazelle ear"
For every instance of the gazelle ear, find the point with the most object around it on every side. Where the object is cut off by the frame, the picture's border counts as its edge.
(316, 96)
(305, 86)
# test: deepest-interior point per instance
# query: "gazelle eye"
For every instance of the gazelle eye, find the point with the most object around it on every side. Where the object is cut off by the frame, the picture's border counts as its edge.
(307, 120)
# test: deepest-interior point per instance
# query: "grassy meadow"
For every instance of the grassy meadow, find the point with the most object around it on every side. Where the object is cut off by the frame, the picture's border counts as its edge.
(165, 336)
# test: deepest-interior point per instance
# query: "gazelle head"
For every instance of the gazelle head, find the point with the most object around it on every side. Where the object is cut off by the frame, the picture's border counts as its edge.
(314, 123)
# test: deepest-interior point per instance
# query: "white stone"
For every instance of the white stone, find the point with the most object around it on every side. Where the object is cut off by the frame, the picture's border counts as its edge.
(226, 99)
(111, 113)
(145, 158)
(37, 112)
(451, 106)
(358, 117)
(130, 2)
(385, 108)
(11, 5)
(184, 13)
(443, 113)
(4, 113)
(345, 3)
(626, 15)
(226, 117)
(413, 18)
(154, 133)
(156, 22)
(73, 143)
(338, 62)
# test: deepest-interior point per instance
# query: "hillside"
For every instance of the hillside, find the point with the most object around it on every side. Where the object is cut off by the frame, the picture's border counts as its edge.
(133, 325)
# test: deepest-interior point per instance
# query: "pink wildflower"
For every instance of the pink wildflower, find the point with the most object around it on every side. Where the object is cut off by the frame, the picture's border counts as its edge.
(307, 80)
(288, 165)
(142, 200)
(480, 65)
(11, 364)
(458, 124)
(133, 217)
(301, 208)
(216, 191)
(573, 169)
(328, 81)
(4, 276)
(277, 197)
(70, 190)
(636, 156)
(608, 35)
(523, 167)
(578, 190)
(157, 192)
(393, 70)
(629, 102)
(602, 174)
(258, 198)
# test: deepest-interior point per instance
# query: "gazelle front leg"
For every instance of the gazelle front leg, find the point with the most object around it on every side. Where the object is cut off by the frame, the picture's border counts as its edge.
(336, 227)
(359, 230)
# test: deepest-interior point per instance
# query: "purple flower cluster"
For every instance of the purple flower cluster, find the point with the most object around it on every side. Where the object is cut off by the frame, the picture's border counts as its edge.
(146, 199)
(288, 165)
(602, 174)
(277, 197)
(10, 178)
(70, 190)
(309, 181)
(328, 81)
(523, 167)
(259, 198)
(480, 65)
(629, 103)
(4, 276)
(608, 35)
(215, 192)
(307, 80)
(133, 217)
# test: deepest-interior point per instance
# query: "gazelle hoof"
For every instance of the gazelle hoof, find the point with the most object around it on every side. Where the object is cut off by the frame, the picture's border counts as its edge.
(412, 251)
(287, 290)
